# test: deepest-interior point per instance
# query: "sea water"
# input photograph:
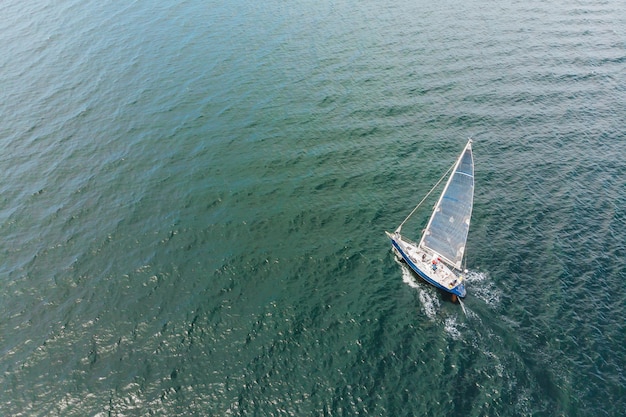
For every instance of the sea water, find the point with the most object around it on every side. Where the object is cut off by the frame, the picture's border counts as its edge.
(195, 194)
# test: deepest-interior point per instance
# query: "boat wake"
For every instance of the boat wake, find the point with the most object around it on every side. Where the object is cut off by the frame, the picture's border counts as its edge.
(451, 326)
(407, 276)
(430, 304)
(479, 286)
(483, 288)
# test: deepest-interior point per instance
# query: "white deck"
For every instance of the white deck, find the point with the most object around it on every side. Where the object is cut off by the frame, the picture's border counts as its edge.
(443, 275)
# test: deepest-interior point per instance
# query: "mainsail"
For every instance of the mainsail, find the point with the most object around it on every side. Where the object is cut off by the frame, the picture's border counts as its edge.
(448, 226)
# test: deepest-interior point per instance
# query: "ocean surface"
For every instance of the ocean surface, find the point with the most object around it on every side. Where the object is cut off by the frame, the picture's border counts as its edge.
(194, 196)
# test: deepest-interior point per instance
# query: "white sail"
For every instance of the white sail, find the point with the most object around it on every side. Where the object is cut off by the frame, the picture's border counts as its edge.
(448, 226)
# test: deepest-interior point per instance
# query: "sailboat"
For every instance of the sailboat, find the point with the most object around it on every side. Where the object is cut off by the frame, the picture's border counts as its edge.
(438, 256)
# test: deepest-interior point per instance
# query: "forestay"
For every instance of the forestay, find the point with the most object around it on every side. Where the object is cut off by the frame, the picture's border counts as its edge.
(447, 229)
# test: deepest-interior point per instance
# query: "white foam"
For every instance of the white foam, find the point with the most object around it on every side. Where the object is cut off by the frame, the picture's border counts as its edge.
(452, 328)
(408, 277)
(483, 288)
(430, 303)
(475, 276)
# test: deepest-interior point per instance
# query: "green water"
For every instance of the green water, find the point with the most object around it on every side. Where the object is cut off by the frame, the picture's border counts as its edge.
(195, 194)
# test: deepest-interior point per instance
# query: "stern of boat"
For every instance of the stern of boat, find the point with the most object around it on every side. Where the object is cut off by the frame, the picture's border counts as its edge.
(459, 290)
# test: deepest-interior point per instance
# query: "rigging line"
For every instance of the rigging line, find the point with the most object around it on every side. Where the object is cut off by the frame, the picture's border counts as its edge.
(425, 197)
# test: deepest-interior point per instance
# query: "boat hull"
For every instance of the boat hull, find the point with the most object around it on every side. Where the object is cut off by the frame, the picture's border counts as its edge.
(458, 290)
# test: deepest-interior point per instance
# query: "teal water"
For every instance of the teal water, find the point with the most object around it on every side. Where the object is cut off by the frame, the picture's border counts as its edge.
(194, 196)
